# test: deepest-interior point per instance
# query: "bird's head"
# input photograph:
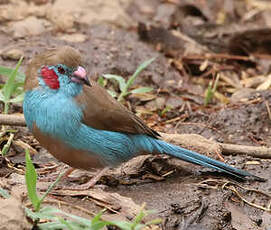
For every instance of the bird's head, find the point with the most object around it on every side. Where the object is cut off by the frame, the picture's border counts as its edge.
(56, 69)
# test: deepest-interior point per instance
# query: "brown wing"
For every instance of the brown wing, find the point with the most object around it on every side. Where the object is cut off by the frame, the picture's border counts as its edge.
(101, 111)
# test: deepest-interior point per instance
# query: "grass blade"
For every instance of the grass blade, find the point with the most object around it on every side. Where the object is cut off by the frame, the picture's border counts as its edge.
(17, 99)
(31, 181)
(138, 71)
(5, 71)
(2, 98)
(119, 79)
(65, 223)
(6, 147)
(51, 187)
(141, 90)
(9, 85)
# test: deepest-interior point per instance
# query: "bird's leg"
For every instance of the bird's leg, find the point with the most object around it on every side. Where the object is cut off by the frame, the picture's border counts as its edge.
(55, 175)
(68, 172)
(89, 184)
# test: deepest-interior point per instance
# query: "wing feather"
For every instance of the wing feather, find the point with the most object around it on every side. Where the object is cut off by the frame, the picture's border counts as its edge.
(101, 111)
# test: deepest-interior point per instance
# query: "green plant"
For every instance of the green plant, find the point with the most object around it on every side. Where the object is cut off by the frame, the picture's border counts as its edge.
(54, 218)
(31, 182)
(12, 90)
(7, 145)
(211, 90)
(136, 223)
(124, 86)
(165, 110)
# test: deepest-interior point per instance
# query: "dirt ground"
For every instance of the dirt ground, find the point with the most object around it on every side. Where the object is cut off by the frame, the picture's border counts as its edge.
(115, 37)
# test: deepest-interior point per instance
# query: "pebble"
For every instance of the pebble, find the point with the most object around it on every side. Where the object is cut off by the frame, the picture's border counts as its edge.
(12, 54)
(27, 27)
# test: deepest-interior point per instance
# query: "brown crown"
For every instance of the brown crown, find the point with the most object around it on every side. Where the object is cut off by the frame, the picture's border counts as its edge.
(64, 55)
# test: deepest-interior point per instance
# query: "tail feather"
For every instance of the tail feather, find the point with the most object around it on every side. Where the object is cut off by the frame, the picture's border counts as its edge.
(196, 158)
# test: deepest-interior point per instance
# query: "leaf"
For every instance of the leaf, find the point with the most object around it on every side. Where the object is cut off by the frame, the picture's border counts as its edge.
(97, 217)
(208, 94)
(31, 181)
(32, 215)
(112, 93)
(18, 87)
(1, 96)
(138, 218)
(138, 71)
(142, 90)
(65, 223)
(100, 225)
(51, 187)
(52, 226)
(40, 214)
(101, 81)
(8, 71)
(50, 212)
(96, 223)
(9, 85)
(56, 225)
(122, 225)
(17, 99)
(211, 90)
(119, 79)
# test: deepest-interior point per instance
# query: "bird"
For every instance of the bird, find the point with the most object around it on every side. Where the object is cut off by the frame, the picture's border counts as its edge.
(80, 124)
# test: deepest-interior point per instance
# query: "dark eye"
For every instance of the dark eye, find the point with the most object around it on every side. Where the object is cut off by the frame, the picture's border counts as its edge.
(61, 70)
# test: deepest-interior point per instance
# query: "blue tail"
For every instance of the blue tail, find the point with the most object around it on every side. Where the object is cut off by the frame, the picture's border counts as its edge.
(158, 146)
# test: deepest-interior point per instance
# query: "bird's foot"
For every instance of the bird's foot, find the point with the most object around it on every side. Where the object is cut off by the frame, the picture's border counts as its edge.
(53, 177)
(90, 184)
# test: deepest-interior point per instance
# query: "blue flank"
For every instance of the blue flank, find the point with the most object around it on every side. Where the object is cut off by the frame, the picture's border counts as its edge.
(57, 114)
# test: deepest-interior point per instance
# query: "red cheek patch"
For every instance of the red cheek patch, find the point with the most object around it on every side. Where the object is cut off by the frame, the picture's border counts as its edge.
(49, 77)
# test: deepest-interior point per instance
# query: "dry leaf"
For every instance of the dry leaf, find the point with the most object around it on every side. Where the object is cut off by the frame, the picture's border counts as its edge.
(266, 84)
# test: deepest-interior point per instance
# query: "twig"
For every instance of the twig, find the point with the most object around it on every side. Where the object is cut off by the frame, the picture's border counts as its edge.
(232, 188)
(216, 56)
(12, 119)
(268, 109)
(217, 184)
(189, 40)
(247, 188)
(255, 151)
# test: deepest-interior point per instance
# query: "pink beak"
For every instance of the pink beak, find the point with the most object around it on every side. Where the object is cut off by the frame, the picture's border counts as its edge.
(80, 76)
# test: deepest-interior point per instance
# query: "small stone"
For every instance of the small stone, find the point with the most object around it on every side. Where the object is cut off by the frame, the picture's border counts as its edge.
(73, 37)
(40, 2)
(62, 20)
(12, 215)
(160, 102)
(27, 27)
(242, 95)
(12, 54)
(174, 102)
